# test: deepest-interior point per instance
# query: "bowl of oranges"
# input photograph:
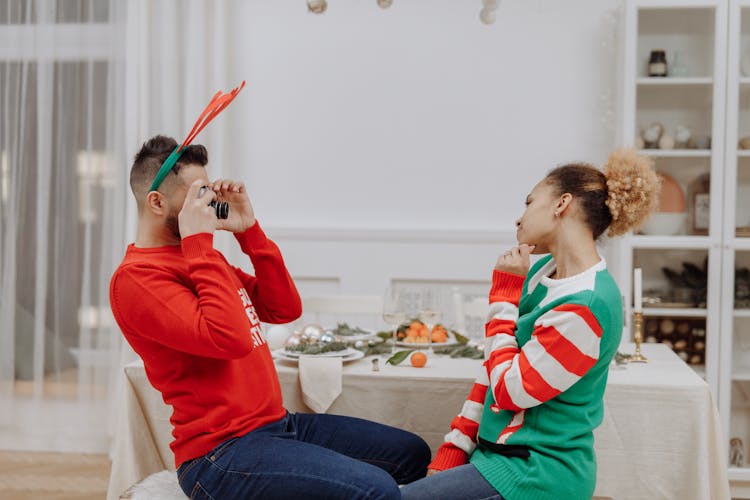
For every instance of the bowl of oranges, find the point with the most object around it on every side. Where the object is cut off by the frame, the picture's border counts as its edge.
(417, 334)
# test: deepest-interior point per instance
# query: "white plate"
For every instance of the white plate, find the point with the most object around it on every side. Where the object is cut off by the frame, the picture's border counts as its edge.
(350, 339)
(348, 354)
(368, 335)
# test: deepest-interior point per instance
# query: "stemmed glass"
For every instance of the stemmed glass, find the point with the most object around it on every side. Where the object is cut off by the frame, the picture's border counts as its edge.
(393, 312)
(430, 312)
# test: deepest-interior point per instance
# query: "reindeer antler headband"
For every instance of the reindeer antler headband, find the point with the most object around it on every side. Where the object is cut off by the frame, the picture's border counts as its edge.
(217, 104)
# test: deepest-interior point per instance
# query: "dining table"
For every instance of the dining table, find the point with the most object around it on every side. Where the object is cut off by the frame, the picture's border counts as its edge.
(660, 437)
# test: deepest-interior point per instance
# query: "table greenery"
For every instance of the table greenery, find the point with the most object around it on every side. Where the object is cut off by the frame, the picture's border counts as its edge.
(344, 330)
(462, 350)
(317, 348)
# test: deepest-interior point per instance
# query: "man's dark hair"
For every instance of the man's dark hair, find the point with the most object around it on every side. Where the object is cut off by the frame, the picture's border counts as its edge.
(152, 154)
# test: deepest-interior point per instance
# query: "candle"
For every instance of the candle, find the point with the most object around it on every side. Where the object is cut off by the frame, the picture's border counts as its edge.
(637, 290)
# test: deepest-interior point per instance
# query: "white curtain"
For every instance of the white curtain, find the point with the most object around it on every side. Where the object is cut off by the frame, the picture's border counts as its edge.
(61, 223)
(83, 83)
(177, 59)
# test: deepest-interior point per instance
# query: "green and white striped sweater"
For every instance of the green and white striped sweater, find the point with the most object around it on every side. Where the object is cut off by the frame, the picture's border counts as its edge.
(528, 422)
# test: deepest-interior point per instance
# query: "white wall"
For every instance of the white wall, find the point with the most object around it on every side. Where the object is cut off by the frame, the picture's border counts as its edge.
(363, 125)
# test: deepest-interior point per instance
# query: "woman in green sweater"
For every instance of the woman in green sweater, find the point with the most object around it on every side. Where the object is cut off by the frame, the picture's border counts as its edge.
(526, 430)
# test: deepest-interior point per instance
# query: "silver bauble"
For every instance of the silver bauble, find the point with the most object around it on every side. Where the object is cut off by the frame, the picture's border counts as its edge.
(317, 6)
(487, 16)
(327, 338)
(360, 344)
(312, 333)
(293, 341)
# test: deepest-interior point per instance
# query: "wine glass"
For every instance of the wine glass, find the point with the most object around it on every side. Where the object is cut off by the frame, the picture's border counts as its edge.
(430, 312)
(393, 312)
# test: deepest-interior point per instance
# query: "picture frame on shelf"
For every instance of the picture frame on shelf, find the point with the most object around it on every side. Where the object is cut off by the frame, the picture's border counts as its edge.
(699, 208)
(702, 209)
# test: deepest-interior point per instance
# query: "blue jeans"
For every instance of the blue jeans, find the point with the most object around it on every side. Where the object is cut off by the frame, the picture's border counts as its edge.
(459, 483)
(309, 456)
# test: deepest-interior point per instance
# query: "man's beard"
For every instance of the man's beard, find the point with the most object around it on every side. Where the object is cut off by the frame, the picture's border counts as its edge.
(173, 225)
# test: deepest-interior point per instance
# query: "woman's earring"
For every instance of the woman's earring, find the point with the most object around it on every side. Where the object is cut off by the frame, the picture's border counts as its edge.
(557, 214)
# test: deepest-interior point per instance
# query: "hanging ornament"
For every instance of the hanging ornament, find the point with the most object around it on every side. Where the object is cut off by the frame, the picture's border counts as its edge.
(487, 16)
(384, 4)
(490, 4)
(317, 6)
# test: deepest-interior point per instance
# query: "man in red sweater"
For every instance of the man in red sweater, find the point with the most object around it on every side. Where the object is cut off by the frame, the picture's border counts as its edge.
(195, 321)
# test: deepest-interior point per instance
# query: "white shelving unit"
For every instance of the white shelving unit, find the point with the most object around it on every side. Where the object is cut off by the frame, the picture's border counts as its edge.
(711, 97)
(734, 391)
(677, 153)
(674, 81)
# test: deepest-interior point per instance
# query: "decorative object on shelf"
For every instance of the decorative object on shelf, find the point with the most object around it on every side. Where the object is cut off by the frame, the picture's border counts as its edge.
(385, 4)
(682, 137)
(639, 143)
(671, 197)
(651, 135)
(657, 63)
(745, 142)
(742, 288)
(666, 142)
(688, 286)
(317, 6)
(376, 364)
(671, 216)
(664, 223)
(685, 336)
(736, 452)
(700, 142)
(677, 68)
(699, 204)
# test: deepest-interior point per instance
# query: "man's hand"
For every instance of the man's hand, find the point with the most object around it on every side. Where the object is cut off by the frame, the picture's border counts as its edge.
(241, 214)
(431, 472)
(196, 215)
(515, 260)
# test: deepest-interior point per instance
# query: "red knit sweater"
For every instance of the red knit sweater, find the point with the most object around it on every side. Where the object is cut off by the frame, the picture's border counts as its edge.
(195, 321)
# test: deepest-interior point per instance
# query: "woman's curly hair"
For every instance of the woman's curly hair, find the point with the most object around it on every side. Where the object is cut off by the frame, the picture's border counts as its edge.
(634, 189)
(620, 198)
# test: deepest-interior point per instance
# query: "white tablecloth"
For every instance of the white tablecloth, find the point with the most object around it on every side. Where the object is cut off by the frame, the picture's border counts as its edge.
(660, 438)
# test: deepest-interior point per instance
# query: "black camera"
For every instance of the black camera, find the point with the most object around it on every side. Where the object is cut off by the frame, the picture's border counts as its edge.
(221, 207)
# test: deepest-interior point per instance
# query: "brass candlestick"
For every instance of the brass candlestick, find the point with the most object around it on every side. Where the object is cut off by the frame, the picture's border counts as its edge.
(638, 338)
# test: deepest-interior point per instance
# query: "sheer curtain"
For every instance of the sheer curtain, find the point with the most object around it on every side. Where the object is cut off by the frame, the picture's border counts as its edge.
(82, 84)
(177, 58)
(61, 219)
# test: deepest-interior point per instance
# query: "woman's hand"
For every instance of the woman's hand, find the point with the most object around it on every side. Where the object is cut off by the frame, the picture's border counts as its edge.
(516, 260)
(430, 472)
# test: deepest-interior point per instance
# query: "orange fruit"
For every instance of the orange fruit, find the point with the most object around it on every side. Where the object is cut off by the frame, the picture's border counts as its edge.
(418, 359)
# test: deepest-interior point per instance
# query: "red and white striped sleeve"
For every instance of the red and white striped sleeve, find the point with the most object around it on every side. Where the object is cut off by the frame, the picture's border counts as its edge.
(461, 440)
(563, 347)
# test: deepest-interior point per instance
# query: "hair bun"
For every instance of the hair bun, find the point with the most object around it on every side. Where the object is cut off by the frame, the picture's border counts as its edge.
(633, 189)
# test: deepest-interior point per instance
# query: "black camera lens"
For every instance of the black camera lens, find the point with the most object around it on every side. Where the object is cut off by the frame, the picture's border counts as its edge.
(220, 207)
